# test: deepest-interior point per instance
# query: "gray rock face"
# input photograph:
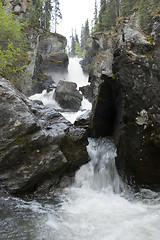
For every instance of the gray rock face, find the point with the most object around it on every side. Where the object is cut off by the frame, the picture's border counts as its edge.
(83, 120)
(51, 47)
(47, 55)
(67, 95)
(35, 144)
(137, 126)
(87, 92)
(127, 105)
(18, 6)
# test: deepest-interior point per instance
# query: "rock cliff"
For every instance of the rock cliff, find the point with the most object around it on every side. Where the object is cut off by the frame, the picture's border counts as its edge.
(46, 52)
(38, 147)
(47, 56)
(125, 83)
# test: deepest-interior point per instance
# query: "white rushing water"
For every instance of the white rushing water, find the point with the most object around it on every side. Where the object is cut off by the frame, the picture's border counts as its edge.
(98, 206)
(75, 74)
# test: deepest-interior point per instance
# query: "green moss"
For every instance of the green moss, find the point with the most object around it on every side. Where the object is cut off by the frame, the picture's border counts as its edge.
(56, 61)
(149, 38)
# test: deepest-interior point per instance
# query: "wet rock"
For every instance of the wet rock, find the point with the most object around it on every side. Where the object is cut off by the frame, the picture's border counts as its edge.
(75, 141)
(137, 127)
(51, 48)
(35, 144)
(67, 95)
(87, 92)
(83, 120)
(127, 103)
(41, 82)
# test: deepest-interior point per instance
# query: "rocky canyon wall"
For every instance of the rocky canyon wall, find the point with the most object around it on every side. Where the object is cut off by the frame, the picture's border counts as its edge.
(125, 84)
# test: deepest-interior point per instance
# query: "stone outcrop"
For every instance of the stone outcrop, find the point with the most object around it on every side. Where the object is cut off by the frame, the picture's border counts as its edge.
(47, 57)
(38, 147)
(137, 121)
(51, 48)
(17, 6)
(83, 120)
(67, 95)
(46, 53)
(126, 83)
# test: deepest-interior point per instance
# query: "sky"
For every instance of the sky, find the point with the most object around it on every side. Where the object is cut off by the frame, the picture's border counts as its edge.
(74, 14)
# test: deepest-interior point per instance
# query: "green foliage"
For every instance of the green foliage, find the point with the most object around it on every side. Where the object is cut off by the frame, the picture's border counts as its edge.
(73, 46)
(85, 35)
(56, 16)
(40, 13)
(76, 49)
(101, 15)
(95, 19)
(112, 10)
(109, 17)
(34, 14)
(127, 5)
(12, 44)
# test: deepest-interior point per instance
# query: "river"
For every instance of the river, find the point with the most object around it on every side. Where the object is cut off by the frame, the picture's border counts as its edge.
(97, 206)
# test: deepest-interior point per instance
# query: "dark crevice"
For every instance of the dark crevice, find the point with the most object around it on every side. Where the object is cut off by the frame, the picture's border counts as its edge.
(105, 110)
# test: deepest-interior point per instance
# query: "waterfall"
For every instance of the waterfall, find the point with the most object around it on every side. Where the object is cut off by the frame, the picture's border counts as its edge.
(97, 206)
(100, 173)
(75, 74)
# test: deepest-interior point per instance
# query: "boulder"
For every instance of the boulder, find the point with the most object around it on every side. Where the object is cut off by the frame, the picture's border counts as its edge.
(67, 95)
(51, 47)
(87, 92)
(35, 143)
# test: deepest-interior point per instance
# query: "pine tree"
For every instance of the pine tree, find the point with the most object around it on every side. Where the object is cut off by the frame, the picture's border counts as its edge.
(110, 15)
(76, 37)
(82, 38)
(85, 35)
(73, 46)
(127, 5)
(56, 13)
(95, 19)
(47, 14)
(101, 15)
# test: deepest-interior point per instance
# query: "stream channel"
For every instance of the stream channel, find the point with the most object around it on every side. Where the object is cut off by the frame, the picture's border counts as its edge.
(97, 206)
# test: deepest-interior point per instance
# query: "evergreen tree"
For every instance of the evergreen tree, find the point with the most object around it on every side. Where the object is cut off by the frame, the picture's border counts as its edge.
(76, 37)
(95, 19)
(73, 46)
(110, 15)
(127, 5)
(56, 13)
(34, 13)
(82, 38)
(85, 35)
(101, 15)
(47, 14)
